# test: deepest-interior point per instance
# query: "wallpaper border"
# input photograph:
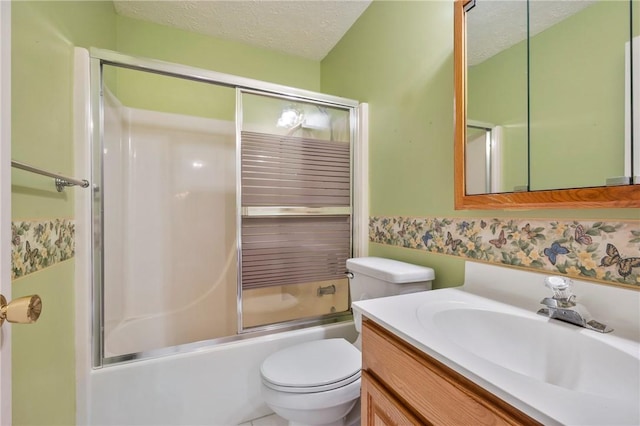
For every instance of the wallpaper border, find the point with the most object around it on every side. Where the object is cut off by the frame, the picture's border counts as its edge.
(38, 244)
(606, 251)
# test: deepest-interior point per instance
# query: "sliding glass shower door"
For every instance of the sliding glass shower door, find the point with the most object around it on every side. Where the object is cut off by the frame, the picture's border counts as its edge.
(295, 208)
(168, 211)
(221, 210)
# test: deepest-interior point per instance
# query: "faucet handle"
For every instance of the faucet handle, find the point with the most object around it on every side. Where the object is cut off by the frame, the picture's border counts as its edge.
(561, 287)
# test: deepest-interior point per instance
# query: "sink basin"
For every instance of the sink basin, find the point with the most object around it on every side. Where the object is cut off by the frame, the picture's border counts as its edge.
(558, 373)
(555, 353)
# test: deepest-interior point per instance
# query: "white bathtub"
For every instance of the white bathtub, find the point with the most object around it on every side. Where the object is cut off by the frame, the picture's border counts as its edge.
(218, 385)
(214, 386)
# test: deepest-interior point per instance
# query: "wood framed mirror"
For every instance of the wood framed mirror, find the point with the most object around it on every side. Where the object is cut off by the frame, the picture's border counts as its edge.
(621, 196)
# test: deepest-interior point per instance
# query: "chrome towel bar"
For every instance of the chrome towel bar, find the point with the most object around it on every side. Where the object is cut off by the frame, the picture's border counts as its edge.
(61, 181)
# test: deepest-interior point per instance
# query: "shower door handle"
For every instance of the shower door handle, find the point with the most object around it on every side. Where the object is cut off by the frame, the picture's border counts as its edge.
(23, 310)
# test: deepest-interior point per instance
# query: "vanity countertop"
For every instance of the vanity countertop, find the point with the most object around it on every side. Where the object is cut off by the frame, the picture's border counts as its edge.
(555, 372)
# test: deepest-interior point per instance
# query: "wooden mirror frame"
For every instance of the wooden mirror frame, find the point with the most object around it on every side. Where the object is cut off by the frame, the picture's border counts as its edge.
(623, 196)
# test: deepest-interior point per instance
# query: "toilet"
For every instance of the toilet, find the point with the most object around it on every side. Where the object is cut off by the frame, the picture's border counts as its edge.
(318, 382)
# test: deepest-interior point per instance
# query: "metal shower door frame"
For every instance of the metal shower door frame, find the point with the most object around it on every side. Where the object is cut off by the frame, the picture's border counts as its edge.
(101, 57)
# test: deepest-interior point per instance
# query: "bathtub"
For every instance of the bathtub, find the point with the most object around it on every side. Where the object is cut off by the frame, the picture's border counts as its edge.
(214, 385)
(217, 385)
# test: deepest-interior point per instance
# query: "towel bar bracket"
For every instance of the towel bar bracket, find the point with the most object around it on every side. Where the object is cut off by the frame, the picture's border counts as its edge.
(60, 180)
(62, 183)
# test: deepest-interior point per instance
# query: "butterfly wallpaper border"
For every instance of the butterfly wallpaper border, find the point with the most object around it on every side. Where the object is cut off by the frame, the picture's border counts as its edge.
(606, 251)
(36, 245)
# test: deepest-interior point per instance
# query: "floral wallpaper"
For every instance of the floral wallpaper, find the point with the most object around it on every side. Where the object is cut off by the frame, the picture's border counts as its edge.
(607, 251)
(36, 245)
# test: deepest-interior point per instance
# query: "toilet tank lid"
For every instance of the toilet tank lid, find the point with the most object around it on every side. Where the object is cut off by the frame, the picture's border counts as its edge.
(390, 270)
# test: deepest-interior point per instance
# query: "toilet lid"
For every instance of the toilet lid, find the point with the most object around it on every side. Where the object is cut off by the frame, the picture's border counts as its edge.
(325, 364)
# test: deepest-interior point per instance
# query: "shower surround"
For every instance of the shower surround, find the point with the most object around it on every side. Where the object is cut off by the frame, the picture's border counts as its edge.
(169, 216)
(164, 303)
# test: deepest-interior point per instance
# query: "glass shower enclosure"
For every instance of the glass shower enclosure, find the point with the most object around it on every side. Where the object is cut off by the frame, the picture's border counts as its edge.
(222, 207)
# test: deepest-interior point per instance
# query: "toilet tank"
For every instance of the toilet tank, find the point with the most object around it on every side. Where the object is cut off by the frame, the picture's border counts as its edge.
(373, 277)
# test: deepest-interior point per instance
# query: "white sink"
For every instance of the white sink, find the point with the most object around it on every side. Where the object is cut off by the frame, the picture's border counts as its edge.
(555, 353)
(556, 372)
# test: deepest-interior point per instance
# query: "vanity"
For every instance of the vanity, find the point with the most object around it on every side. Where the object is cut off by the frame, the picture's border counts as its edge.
(398, 380)
(479, 354)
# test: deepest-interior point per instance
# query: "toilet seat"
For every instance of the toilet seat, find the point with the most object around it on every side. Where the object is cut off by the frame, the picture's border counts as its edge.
(312, 389)
(315, 366)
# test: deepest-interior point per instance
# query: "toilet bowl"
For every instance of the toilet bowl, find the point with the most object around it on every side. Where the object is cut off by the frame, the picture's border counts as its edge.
(313, 383)
(318, 382)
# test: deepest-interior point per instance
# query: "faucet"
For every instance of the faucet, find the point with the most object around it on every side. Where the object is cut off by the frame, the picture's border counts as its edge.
(562, 306)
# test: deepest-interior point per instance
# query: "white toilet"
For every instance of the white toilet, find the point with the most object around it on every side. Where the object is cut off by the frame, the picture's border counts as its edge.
(318, 382)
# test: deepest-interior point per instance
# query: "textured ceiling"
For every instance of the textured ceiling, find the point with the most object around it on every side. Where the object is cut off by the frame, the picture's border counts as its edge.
(305, 28)
(493, 26)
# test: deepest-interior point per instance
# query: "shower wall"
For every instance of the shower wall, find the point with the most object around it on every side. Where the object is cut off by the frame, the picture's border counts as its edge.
(169, 229)
(293, 301)
(146, 285)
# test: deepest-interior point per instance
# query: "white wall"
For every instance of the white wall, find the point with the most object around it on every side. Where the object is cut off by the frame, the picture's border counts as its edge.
(114, 196)
(630, 98)
(614, 306)
(476, 164)
(169, 229)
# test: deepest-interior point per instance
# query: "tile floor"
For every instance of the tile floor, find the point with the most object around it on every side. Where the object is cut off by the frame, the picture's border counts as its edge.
(275, 420)
(270, 420)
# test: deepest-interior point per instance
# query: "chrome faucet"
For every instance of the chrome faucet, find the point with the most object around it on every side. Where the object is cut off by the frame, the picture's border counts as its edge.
(562, 306)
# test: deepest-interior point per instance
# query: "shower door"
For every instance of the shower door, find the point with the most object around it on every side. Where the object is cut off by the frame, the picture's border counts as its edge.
(168, 211)
(295, 204)
(221, 207)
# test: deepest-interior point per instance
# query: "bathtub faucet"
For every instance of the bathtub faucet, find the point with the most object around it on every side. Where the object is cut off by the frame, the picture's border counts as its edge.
(330, 289)
(562, 306)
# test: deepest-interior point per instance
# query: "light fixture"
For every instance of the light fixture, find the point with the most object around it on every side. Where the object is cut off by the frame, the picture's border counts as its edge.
(291, 116)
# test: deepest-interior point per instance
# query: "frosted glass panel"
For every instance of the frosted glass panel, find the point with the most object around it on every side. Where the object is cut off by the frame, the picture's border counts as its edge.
(295, 162)
(169, 203)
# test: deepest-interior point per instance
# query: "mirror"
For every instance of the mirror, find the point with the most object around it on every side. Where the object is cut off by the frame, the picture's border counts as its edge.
(577, 93)
(530, 121)
(497, 91)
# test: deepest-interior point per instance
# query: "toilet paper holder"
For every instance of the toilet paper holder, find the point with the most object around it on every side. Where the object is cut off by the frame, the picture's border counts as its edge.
(23, 310)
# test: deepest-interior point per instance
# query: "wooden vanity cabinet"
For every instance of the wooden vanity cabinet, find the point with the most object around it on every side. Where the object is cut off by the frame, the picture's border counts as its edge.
(403, 386)
(381, 407)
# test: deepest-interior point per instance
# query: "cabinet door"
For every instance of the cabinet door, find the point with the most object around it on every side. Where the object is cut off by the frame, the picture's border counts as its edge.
(429, 388)
(379, 408)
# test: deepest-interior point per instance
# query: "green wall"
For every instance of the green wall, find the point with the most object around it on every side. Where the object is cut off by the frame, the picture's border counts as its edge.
(169, 44)
(577, 98)
(154, 92)
(43, 37)
(160, 93)
(43, 354)
(44, 34)
(398, 57)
